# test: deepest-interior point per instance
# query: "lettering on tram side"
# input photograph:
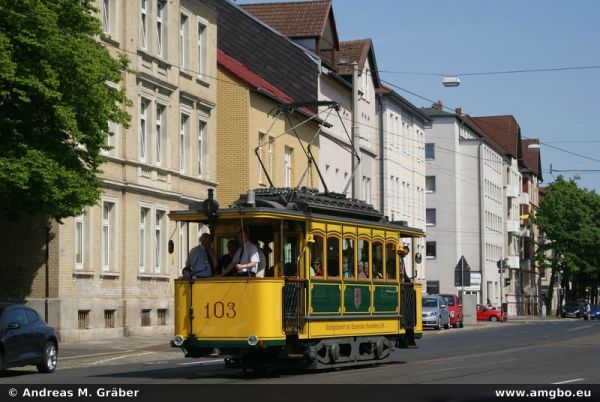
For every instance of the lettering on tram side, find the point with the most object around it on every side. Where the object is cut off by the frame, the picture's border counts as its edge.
(354, 326)
(220, 310)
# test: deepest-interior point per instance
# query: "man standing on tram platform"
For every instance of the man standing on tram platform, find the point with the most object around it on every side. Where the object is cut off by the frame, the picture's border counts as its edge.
(246, 260)
(201, 258)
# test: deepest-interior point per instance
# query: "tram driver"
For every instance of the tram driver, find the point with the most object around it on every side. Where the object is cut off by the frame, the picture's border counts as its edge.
(246, 260)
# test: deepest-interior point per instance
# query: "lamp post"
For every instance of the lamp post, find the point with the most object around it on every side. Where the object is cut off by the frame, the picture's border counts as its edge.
(559, 279)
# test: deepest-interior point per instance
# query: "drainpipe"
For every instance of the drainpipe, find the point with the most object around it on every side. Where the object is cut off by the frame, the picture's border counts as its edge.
(481, 222)
(382, 152)
(355, 135)
(47, 270)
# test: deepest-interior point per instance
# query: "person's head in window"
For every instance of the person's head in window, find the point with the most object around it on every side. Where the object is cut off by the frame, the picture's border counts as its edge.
(346, 268)
(317, 268)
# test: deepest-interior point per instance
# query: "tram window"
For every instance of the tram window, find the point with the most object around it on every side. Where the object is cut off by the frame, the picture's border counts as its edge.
(333, 257)
(316, 257)
(363, 259)
(290, 253)
(348, 268)
(390, 260)
(378, 260)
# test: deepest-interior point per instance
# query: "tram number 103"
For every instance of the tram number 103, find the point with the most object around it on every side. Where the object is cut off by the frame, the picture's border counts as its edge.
(220, 310)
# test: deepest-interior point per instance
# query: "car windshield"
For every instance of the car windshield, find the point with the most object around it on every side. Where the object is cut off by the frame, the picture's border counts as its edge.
(449, 300)
(429, 303)
(572, 305)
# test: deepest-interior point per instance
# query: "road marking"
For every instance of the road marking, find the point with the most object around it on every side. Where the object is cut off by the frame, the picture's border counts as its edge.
(575, 329)
(202, 362)
(568, 381)
(121, 357)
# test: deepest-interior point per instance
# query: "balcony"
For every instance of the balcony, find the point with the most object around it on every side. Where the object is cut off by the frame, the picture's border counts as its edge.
(512, 191)
(512, 226)
(524, 198)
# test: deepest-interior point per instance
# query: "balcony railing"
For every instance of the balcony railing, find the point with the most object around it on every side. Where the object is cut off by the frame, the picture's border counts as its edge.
(512, 191)
(512, 226)
(524, 198)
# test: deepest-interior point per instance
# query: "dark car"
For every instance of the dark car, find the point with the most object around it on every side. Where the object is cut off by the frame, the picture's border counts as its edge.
(572, 309)
(26, 339)
(595, 312)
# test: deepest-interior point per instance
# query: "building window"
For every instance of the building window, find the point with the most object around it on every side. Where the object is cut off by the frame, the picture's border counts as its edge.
(431, 249)
(270, 165)
(144, 23)
(430, 151)
(430, 184)
(183, 41)
(433, 287)
(162, 316)
(79, 239)
(83, 319)
(143, 129)
(183, 248)
(288, 166)
(146, 317)
(160, 134)
(261, 147)
(160, 26)
(201, 49)
(430, 216)
(182, 136)
(144, 214)
(109, 318)
(106, 16)
(201, 146)
(159, 241)
(108, 236)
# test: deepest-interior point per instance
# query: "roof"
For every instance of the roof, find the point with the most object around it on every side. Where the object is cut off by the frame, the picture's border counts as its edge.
(293, 19)
(357, 51)
(267, 53)
(505, 130)
(384, 91)
(255, 81)
(532, 158)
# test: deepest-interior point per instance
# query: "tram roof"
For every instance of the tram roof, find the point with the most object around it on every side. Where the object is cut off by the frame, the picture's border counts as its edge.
(296, 204)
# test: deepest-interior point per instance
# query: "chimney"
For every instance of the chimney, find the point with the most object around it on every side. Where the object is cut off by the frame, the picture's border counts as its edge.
(438, 105)
(458, 111)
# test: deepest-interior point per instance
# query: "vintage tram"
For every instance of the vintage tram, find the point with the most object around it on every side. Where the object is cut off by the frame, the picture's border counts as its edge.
(353, 310)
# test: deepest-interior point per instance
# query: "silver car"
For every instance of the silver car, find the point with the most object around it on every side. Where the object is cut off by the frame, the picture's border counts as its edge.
(435, 312)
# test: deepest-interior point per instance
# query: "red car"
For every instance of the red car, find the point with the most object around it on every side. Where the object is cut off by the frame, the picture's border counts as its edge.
(485, 313)
(456, 310)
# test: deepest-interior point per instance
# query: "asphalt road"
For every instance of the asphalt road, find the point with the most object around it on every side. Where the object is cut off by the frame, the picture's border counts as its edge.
(536, 352)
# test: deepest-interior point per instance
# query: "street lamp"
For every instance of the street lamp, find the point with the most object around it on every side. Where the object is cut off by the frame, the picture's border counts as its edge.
(451, 81)
(559, 279)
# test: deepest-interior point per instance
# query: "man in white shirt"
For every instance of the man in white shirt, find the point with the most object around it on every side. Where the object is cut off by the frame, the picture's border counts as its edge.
(201, 258)
(247, 258)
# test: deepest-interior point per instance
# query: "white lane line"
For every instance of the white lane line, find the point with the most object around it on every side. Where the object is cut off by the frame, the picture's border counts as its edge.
(568, 381)
(122, 357)
(203, 362)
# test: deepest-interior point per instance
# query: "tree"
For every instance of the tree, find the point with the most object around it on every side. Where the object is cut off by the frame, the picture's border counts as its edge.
(55, 106)
(569, 217)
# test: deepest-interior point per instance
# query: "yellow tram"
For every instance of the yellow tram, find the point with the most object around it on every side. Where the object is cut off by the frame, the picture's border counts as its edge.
(352, 311)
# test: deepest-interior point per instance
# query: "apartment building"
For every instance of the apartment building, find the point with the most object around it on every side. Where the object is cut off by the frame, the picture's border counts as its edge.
(402, 180)
(107, 273)
(465, 206)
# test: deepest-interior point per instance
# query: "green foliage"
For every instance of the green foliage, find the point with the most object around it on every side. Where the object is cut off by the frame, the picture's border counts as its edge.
(55, 106)
(569, 217)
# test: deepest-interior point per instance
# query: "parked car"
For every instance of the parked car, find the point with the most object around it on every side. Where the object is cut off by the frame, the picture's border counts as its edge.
(455, 308)
(485, 313)
(26, 339)
(435, 312)
(572, 309)
(595, 312)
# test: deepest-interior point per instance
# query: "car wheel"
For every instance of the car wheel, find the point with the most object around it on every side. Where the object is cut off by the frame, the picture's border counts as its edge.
(447, 325)
(49, 358)
(439, 324)
(493, 318)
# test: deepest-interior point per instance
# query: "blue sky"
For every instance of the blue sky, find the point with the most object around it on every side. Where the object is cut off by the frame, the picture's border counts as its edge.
(561, 108)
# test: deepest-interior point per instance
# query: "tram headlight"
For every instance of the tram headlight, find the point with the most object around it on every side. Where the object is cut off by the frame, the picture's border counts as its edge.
(178, 340)
(252, 340)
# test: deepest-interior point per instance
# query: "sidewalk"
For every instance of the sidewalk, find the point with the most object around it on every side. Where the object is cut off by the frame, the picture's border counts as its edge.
(116, 346)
